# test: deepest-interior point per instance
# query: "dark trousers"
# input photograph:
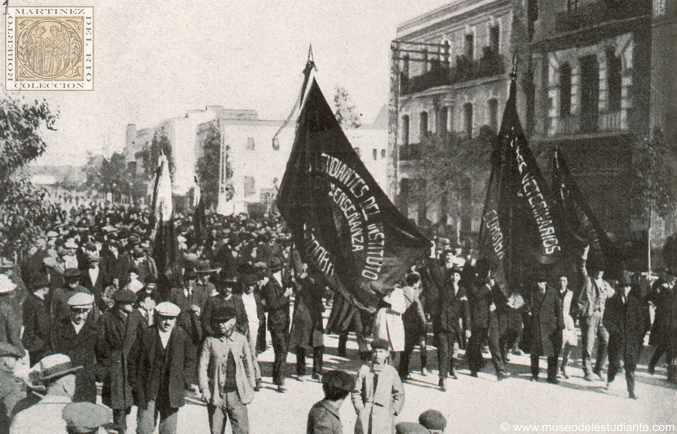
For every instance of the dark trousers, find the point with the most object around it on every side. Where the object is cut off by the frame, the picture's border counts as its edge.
(318, 352)
(120, 419)
(591, 328)
(552, 366)
(475, 358)
(279, 338)
(362, 345)
(510, 338)
(445, 359)
(615, 357)
(661, 349)
(411, 339)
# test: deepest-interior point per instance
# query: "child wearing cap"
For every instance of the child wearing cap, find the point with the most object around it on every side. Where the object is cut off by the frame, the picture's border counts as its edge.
(324, 416)
(378, 395)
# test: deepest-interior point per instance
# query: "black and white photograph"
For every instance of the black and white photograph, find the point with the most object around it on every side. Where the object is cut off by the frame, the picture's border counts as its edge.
(334, 217)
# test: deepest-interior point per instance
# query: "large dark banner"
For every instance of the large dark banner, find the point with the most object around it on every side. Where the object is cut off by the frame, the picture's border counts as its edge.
(579, 223)
(519, 233)
(343, 225)
(163, 237)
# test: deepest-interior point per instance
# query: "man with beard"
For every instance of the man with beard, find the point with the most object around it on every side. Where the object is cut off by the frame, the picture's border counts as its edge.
(159, 363)
(76, 337)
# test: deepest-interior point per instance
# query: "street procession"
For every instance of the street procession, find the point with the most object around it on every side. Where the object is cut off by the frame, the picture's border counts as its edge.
(496, 252)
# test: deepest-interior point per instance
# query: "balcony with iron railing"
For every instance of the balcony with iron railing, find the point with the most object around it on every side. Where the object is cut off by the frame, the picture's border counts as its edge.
(440, 74)
(600, 12)
(608, 122)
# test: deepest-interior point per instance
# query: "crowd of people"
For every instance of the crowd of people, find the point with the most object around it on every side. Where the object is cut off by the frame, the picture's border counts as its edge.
(89, 307)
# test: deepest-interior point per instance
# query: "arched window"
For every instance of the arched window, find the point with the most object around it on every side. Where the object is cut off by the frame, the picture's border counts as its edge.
(405, 130)
(614, 68)
(469, 46)
(494, 34)
(423, 125)
(467, 119)
(442, 114)
(565, 90)
(589, 93)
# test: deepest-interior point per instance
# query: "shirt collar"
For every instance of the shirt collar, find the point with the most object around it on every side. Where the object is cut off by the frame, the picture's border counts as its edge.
(331, 407)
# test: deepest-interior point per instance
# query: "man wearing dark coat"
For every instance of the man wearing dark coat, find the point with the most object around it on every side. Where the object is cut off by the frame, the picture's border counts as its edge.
(307, 329)
(12, 389)
(452, 307)
(76, 338)
(37, 337)
(414, 321)
(10, 313)
(626, 318)
(59, 309)
(224, 298)
(661, 295)
(276, 293)
(117, 331)
(324, 417)
(545, 311)
(160, 363)
(94, 279)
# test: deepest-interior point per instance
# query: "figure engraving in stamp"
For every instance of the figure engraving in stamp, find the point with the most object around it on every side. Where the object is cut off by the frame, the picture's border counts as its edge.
(49, 48)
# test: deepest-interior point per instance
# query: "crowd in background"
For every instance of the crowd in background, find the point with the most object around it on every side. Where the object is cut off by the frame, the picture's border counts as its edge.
(88, 305)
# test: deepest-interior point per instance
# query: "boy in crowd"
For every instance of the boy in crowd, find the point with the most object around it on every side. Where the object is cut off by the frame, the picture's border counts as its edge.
(324, 417)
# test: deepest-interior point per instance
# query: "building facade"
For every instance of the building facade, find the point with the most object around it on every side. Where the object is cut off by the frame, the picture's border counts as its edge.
(452, 66)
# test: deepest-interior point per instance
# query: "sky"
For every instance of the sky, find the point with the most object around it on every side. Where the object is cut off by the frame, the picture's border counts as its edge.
(157, 59)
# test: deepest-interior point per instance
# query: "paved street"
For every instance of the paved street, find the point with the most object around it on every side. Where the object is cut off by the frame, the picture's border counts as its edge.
(473, 405)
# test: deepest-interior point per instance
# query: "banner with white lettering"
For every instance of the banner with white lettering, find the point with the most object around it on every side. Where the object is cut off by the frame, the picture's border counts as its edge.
(343, 224)
(519, 233)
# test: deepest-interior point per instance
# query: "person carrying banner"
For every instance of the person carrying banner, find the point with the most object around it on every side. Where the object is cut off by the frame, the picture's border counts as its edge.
(415, 323)
(307, 331)
(277, 293)
(591, 302)
(545, 312)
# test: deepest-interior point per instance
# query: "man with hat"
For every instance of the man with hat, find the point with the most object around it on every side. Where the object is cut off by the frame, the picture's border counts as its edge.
(591, 302)
(76, 337)
(378, 396)
(59, 308)
(626, 317)
(410, 428)
(95, 279)
(324, 417)
(10, 314)
(433, 420)
(547, 323)
(12, 390)
(118, 329)
(56, 373)
(225, 297)
(86, 418)
(276, 293)
(204, 273)
(37, 328)
(225, 375)
(256, 319)
(159, 363)
(452, 307)
(661, 296)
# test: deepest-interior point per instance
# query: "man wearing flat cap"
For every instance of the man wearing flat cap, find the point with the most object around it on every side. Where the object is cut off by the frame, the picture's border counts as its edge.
(56, 373)
(159, 368)
(324, 417)
(76, 337)
(226, 375)
(37, 328)
(433, 420)
(12, 390)
(86, 418)
(117, 332)
(378, 396)
(224, 298)
(410, 428)
(59, 308)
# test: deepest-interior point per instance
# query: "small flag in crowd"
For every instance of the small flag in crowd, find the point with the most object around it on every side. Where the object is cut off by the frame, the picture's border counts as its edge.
(164, 241)
(343, 225)
(199, 218)
(520, 232)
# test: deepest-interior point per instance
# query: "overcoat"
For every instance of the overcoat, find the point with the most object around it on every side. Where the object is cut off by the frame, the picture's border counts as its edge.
(307, 320)
(377, 407)
(80, 347)
(546, 322)
(37, 337)
(152, 367)
(116, 336)
(627, 321)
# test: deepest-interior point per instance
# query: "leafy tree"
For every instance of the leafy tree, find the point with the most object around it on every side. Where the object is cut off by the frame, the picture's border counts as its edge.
(23, 210)
(454, 171)
(110, 175)
(344, 109)
(160, 145)
(654, 163)
(208, 167)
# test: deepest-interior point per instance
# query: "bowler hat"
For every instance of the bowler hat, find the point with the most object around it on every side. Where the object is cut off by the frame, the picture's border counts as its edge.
(39, 281)
(250, 279)
(225, 313)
